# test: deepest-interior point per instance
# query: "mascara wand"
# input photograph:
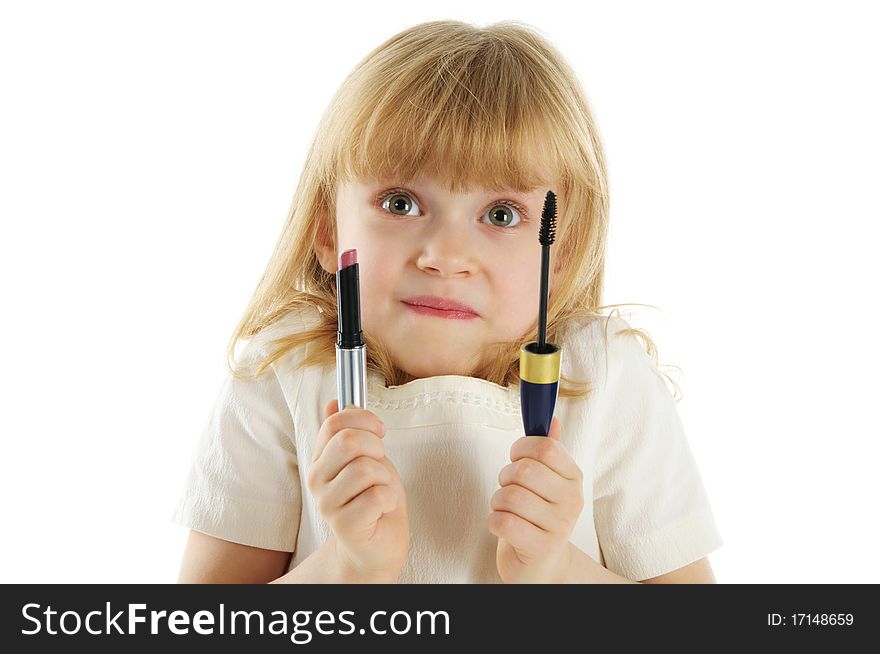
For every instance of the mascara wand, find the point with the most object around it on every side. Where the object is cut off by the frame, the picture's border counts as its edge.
(539, 361)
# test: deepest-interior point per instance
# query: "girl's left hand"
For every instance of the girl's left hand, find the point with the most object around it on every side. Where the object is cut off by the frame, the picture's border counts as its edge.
(536, 509)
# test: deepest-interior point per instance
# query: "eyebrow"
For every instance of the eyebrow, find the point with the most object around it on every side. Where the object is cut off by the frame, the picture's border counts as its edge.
(522, 195)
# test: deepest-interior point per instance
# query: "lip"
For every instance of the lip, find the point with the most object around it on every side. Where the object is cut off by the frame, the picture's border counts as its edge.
(433, 305)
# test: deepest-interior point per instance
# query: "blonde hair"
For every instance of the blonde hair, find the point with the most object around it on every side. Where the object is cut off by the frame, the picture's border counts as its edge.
(486, 106)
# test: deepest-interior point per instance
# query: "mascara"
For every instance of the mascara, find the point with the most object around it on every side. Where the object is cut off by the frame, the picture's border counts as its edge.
(539, 361)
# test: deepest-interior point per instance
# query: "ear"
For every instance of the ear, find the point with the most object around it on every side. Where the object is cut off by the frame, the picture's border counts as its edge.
(325, 250)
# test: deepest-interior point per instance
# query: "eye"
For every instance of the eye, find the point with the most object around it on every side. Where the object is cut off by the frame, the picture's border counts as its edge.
(504, 215)
(398, 203)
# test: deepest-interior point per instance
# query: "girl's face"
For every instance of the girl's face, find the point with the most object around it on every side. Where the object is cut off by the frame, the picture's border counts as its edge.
(480, 249)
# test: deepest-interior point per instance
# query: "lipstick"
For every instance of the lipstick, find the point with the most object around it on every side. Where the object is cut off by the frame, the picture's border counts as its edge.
(351, 352)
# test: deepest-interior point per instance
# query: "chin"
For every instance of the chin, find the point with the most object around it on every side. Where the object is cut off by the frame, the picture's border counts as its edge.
(432, 369)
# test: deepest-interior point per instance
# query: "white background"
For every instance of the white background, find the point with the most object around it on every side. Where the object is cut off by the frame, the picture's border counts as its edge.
(148, 156)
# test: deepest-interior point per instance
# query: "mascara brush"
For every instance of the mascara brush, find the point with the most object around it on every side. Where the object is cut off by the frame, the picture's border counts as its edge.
(539, 361)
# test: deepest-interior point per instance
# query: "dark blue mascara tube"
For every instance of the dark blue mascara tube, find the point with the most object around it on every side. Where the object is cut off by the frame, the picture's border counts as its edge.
(538, 387)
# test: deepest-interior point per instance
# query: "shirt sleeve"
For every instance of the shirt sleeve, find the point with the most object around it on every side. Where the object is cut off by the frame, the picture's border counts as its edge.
(243, 483)
(651, 510)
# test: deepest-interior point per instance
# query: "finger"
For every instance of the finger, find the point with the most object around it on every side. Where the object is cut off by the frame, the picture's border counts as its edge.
(517, 531)
(351, 417)
(550, 452)
(354, 479)
(330, 408)
(555, 431)
(537, 477)
(346, 446)
(358, 517)
(526, 505)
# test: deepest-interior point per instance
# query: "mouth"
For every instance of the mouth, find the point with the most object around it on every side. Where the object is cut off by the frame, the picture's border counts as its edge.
(430, 305)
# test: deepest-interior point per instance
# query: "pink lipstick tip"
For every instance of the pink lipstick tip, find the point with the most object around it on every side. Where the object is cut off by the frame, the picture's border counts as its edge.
(348, 258)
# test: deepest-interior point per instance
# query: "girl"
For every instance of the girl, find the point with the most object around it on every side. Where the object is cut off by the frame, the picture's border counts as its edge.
(433, 161)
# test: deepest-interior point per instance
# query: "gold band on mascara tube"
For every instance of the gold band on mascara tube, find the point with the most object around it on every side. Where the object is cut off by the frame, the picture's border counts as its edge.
(539, 368)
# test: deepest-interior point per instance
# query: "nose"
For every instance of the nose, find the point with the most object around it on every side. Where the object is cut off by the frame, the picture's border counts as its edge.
(447, 250)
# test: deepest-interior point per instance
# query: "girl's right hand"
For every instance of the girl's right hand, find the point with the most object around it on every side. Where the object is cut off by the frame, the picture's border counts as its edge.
(359, 493)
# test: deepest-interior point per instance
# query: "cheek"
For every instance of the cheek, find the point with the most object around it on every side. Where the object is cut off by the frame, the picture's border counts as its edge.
(379, 288)
(516, 293)
(518, 274)
(355, 234)
(377, 280)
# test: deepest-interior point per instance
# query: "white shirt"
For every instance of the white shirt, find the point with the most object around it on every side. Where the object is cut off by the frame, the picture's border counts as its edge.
(645, 512)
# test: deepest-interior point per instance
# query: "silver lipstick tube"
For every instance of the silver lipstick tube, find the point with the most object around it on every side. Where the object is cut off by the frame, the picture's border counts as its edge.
(351, 376)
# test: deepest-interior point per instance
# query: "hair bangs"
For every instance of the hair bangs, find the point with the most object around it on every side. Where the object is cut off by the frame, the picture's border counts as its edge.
(456, 122)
